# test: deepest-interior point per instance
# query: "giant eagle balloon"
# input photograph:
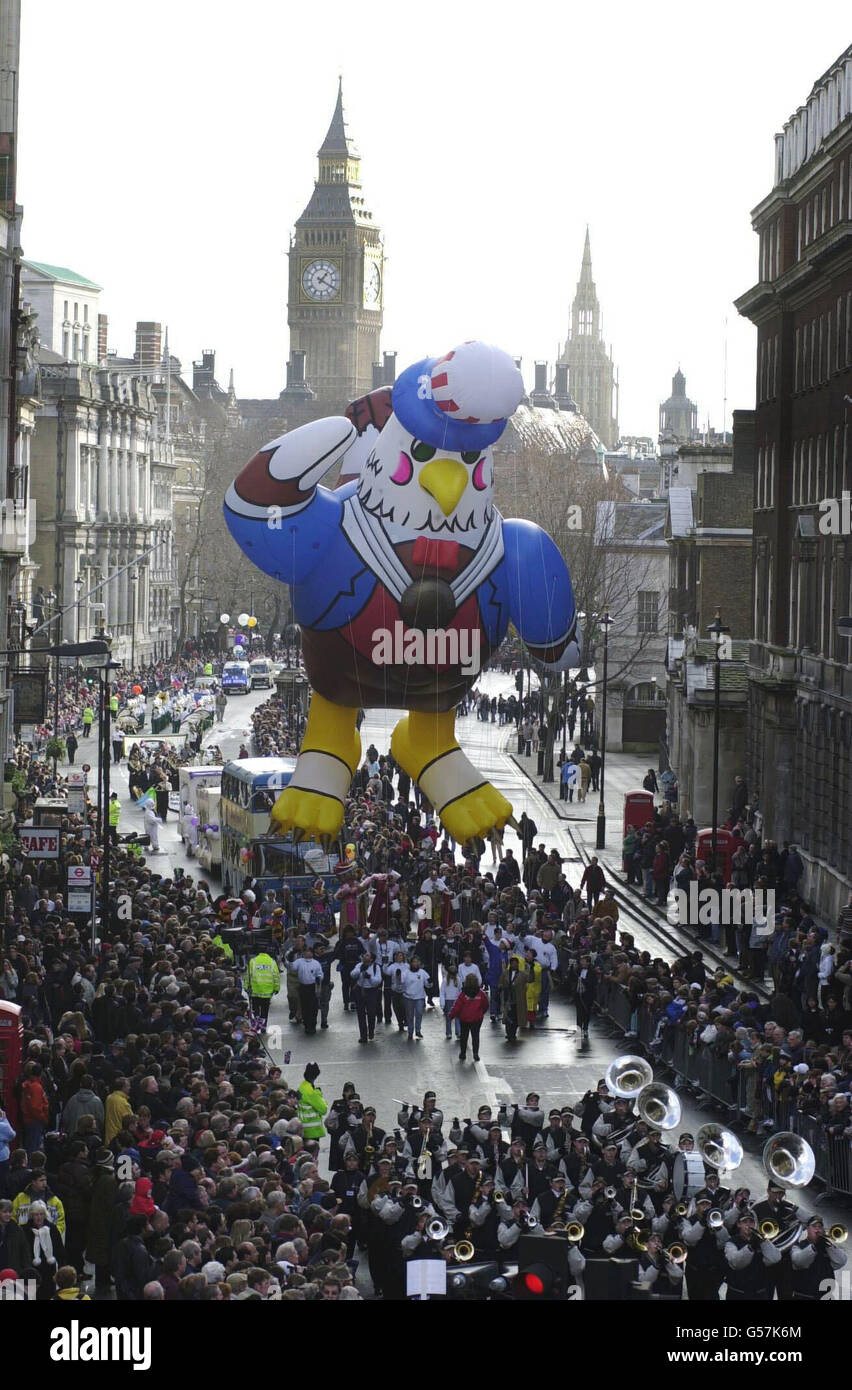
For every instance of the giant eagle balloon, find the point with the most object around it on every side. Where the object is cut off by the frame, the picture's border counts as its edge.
(404, 578)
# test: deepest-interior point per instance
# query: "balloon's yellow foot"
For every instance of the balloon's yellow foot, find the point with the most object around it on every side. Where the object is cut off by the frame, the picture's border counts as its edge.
(311, 806)
(425, 746)
(312, 813)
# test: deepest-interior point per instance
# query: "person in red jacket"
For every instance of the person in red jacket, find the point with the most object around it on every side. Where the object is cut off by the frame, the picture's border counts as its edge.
(470, 1008)
(35, 1108)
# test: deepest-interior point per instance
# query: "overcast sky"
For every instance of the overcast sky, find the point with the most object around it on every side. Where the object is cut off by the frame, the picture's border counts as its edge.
(166, 149)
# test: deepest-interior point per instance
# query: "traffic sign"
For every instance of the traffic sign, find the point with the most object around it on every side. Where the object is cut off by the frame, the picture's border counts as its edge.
(79, 900)
(79, 875)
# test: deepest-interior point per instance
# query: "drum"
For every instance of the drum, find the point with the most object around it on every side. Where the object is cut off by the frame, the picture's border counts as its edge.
(687, 1175)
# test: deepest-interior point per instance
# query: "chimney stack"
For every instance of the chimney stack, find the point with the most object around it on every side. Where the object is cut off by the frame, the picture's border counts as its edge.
(378, 375)
(149, 346)
(103, 325)
(561, 379)
(541, 376)
(389, 369)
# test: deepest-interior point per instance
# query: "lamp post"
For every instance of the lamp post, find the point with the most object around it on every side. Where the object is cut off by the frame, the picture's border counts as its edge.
(718, 633)
(57, 618)
(107, 683)
(605, 621)
(134, 581)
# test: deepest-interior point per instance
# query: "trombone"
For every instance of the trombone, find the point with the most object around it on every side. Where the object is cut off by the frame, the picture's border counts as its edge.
(782, 1240)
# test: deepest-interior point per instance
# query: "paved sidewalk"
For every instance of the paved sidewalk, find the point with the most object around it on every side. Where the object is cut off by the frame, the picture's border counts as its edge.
(624, 773)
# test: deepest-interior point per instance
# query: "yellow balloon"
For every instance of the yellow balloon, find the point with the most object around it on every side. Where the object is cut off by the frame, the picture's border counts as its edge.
(252, 622)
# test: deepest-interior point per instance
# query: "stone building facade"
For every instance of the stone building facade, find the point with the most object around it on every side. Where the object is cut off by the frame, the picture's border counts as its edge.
(19, 390)
(708, 530)
(103, 494)
(635, 588)
(800, 678)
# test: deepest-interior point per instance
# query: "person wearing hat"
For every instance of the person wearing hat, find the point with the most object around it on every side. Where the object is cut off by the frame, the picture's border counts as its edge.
(311, 1104)
(749, 1262)
(815, 1260)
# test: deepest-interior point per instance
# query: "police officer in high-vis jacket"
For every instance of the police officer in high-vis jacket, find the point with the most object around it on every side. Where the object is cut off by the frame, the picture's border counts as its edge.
(262, 980)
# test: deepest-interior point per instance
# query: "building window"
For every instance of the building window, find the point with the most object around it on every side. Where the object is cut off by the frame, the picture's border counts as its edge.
(65, 344)
(585, 326)
(647, 610)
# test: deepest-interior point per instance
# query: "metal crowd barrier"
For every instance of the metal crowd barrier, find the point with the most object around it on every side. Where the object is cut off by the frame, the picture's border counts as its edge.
(737, 1088)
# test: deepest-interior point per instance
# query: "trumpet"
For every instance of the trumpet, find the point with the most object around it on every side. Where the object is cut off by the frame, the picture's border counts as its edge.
(437, 1230)
(416, 1203)
(715, 1220)
(837, 1235)
(528, 1222)
(676, 1254)
(610, 1193)
(681, 1209)
(498, 1196)
(574, 1232)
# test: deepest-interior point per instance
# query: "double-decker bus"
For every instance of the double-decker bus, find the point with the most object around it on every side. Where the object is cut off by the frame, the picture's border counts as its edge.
(250, 788)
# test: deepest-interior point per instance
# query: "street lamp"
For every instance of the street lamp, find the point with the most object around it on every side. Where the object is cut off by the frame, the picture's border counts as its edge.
(721, 642)
(134, 580)
(57, 618)
(605, 622)
(108, 680)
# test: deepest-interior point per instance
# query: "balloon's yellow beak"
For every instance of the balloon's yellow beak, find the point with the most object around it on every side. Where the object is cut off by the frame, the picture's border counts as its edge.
(445, 480)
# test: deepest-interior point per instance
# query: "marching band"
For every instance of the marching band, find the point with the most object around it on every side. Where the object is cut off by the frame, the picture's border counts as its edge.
(642, 1217)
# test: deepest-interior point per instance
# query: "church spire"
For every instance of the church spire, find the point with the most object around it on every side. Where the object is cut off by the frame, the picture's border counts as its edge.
(338, 140)
(587, 256)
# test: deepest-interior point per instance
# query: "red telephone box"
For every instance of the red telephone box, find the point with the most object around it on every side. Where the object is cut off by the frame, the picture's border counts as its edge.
(725, 848)
(11, 1056)
(638, 810)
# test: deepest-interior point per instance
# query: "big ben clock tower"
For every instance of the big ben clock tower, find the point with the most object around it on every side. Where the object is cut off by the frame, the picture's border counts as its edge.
(336, 287)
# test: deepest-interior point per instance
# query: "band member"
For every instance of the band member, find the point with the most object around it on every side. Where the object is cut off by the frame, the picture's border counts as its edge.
(551, 1205)
(538, 1173)
(718, 1195)
(527, 1120)
(513, 1222)
(613, 1126)
(749, 1262)
(776, 1207)
(814, 1259)
(485, 1216)
(705, 1261)
(658, 1273)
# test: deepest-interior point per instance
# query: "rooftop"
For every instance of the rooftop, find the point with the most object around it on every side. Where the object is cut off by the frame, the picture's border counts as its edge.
(62, 274)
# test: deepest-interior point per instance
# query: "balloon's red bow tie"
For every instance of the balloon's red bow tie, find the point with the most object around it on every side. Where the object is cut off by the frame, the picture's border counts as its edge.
(436, 555)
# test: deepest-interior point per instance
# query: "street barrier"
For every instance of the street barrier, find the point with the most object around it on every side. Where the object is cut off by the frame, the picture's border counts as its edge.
(738, 1087)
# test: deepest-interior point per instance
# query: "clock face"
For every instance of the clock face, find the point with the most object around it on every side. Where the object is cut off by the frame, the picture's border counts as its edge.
(321, 280)
(372, 283)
